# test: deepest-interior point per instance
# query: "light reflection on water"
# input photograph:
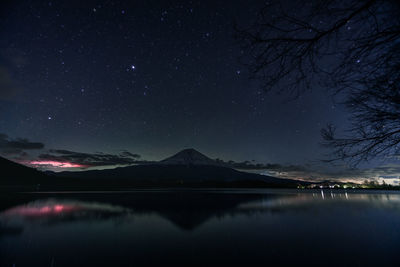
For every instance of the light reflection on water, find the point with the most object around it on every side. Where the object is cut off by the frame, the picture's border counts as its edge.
(384, 200)
(245, 227)
(54, 208)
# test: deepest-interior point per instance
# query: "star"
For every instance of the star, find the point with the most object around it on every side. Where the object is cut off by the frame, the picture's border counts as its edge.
(132, 67)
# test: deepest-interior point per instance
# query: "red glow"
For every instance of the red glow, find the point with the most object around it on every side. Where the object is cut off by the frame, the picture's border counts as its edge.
(58, 208)
(58, 164)
(46, 210)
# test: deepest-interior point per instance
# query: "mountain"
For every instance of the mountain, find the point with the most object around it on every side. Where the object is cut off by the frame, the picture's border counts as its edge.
(186, 168)
(162, 173)
(16, 174)
(188, 156)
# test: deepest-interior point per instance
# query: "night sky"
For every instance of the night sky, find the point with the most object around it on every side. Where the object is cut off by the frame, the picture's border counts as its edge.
(145, 77)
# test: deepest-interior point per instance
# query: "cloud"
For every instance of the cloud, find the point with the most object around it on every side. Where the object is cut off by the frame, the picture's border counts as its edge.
(63, 158)
(319, 172)
(9, 146)
(248, 165)
(60, 158)
(129, 154)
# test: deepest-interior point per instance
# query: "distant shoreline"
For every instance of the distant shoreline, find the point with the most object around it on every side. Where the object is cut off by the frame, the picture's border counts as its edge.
(99, 190)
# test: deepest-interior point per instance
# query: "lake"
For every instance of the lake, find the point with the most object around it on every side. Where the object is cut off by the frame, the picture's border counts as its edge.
(201, 228)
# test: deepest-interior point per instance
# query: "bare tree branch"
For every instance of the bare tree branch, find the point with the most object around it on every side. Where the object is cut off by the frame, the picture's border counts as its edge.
(351, 47)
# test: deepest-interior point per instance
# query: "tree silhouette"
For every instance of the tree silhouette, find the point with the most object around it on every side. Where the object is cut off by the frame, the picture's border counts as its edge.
(350, 47)
(375, 118)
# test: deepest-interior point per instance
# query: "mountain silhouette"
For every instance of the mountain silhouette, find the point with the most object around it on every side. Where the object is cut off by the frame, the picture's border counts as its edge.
(187, 168)
(188, 156)
(17, 174)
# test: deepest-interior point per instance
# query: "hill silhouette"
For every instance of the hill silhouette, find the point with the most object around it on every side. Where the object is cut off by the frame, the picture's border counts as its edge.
(187, 168)
(15, 174)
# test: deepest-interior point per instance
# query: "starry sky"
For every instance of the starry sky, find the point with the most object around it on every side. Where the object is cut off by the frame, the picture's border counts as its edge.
(148, 78)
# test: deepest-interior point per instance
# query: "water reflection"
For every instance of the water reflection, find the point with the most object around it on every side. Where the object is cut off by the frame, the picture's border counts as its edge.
(245, 227)
(389, 200)
(186, 210)
(52, 211)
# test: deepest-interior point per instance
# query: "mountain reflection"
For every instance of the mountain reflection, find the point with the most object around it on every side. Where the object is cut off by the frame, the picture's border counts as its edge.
(200, 228)
(185, 209)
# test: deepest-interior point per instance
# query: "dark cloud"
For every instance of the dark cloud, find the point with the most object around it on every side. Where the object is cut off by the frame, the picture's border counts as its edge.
(248, 165)
(129, 154)
(91, 159)
(318, 172)
(17, 146)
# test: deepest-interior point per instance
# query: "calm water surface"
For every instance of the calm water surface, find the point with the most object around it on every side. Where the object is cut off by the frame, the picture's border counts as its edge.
(201, 228)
